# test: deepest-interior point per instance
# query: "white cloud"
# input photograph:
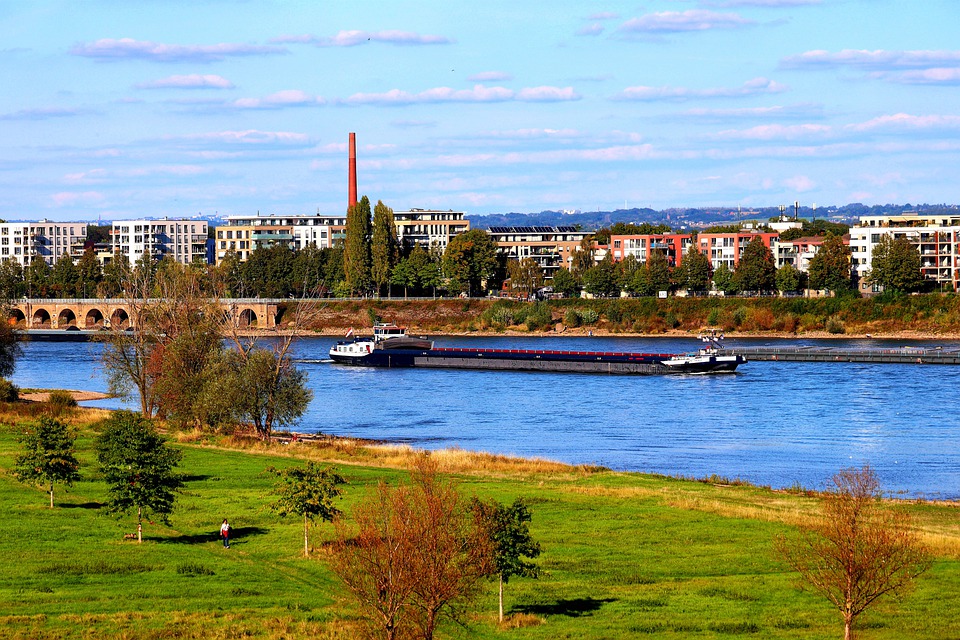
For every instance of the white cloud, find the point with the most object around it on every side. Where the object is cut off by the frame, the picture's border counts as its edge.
(680, 21)
(905, 122)
(478, 94)
(779, 111)
(192, 81)
(749, 88)
(776, 132)
(279, 100)
(108, 49)
(771, 4)
(603, 15)
(44, 113)
(99, 176)
(594, 29)
(249, 137)
(877, 59)
(800, 184)
(76, 198)
(935, 75)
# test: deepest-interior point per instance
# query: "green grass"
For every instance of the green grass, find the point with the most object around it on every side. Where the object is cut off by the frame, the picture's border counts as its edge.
(624, 555)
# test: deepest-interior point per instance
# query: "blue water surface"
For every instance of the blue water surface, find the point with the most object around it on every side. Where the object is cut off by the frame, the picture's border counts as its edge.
(771, 423)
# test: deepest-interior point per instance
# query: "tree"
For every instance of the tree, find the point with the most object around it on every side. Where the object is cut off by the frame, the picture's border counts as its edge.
(115, 273)
(268, 272)
(384, 247)
(756, 270)
(11, 280)
(470, 259)
(697, 268)
(582, 258)
(37, 276)
(788, 278)
(49, 455)
(139, 468)
(356, 247)
(89, 274)
(860, 550)
(418, 557)
(830, 268)
(601, 279)
(659, 269)
(307, 491)
(564, 283)
(268, 390)
(723, 279)
(895, 265)
(525, 275)
(508, 530)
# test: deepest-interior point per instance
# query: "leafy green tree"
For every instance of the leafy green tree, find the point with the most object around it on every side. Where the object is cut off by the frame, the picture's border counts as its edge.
(309, 492)
(601, 279)
(895, 265)
(307, 277)
(564, 283)
(626, 270)
(756, 270)
(89, 274)
(789, 278)
(49, 455)
(723, 279)
(139, 468)
(525, 275)
(384, 247)
(115, 273)
(333, 274)
(269, 390)
(640, 284)
(508, 528)
(356, 248)
(697, 269)
(268, 272)
(830, 268)
(37, 276)
(404, 275)
(659, 269)
(470, 260)
(582, 258)
(63, 278)
(11, 280)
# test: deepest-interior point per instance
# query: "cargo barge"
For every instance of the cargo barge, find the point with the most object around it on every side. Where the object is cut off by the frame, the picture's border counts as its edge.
(390, 346)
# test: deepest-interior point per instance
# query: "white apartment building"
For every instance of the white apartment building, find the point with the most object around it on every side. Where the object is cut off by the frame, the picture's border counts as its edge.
(47, 239)
(429, 227)
(178, 239)
(243, 234)
(936, 237)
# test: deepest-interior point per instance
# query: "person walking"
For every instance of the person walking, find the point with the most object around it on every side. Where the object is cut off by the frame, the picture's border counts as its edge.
(225, 533)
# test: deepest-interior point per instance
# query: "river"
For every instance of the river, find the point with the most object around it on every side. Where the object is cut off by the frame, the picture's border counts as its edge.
(771, 423)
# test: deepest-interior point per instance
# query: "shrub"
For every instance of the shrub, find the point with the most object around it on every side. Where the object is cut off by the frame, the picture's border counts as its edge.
(60, 400)
(713, 318)
(9, 392)
(589, 316)
(192, 569)
(835, 325)
(671, 320)
(571, 318)
(739, 316)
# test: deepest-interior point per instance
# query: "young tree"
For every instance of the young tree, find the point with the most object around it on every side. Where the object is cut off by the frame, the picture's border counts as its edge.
(470, 259)
(525, 275)
(895, 265)
(582, 258)
(89, 274)
(830, 268)
(307, 491)
(49, 455)
(860, 550)
(659, 269)
(756, 270)
(268, 390)
(384, 246)
(508, 529)
(788, 278)
(600, 279)
(64, 277)
(723, 279)
(11, 280)
(564, 283)
(37, 277)
(139, 468)
(356, 247)
(697, 267)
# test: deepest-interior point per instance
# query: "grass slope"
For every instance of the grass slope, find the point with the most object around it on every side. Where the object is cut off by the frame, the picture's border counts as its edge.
(625, 555)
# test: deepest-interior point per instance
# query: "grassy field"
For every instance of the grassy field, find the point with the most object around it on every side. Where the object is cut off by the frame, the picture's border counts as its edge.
(624, 555)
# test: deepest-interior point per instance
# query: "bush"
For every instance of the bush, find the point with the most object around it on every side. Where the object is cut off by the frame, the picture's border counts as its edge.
(739, 316)
(671, 320)
(713, 318)
(61, 400)
(589, 316)
(9, 392)
(835, 325)
(571, 318)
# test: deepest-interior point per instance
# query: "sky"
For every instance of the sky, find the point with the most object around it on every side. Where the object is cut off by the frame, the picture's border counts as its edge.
(119, 109)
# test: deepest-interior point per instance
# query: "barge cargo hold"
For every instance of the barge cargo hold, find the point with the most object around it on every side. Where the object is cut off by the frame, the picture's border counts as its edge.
(391, 347)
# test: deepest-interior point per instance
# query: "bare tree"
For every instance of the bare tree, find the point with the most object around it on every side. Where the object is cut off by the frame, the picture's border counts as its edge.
(419, 555)
(859, 550)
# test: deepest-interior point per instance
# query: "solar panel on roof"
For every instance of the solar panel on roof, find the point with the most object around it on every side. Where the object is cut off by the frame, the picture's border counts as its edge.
(566, 229)
(543, 229)
(500, 229)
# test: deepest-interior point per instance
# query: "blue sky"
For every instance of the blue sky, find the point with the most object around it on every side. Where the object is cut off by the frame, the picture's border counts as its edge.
(118, 109)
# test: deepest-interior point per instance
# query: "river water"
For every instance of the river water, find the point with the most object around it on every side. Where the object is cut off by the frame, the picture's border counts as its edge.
(771, 423)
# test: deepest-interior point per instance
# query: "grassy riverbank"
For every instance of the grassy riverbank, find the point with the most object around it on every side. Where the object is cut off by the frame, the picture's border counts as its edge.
(624, 555)
(929, 315)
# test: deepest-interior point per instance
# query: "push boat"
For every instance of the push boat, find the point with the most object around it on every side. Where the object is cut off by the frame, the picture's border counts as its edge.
(390, 346)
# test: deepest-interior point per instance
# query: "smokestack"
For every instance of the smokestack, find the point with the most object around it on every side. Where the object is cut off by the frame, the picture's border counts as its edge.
(352, 179)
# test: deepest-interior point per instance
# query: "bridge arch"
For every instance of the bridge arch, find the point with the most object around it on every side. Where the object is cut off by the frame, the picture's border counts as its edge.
(119, 319)
(93, 319)
(17, 318)
(41, 319)
(248, 318)
(66, 318)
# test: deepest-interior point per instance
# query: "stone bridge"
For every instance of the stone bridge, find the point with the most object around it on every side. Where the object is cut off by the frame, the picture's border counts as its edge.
(95, 313)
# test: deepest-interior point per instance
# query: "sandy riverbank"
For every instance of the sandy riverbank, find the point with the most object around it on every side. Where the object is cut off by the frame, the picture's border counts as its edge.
(79, 396)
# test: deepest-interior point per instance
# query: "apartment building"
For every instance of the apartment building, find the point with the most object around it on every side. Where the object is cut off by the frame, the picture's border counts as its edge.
(799, 252)
(726, 248)
(428, 227)
(551, 247)
(244, 234)
(936, 237)
(672, 245)
(181, 239)
(47, 239)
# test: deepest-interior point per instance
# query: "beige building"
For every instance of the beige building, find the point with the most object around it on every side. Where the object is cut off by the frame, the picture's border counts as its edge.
(551, 247)
(243, 234)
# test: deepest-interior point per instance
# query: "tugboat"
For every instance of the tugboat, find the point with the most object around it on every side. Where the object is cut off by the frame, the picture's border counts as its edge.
(390, 346)
(709, 359)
